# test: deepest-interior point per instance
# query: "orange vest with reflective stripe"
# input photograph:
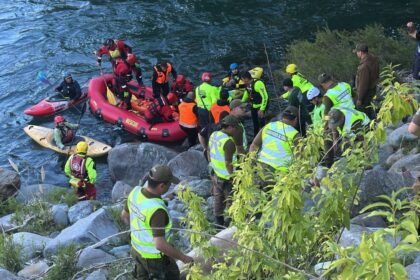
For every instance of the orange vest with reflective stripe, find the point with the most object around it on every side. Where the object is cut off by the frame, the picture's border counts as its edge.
(215, 111)
(163, 77)
(187, 118)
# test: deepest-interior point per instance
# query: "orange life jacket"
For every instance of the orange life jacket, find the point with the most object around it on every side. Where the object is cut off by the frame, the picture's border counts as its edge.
(187, 118)
(215, 111)
(163, 77)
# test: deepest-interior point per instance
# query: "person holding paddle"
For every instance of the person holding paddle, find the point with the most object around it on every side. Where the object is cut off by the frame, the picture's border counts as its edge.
(63, 131)
(69, 88)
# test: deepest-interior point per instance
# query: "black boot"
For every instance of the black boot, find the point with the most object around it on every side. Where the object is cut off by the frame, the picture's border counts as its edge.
(220, 221)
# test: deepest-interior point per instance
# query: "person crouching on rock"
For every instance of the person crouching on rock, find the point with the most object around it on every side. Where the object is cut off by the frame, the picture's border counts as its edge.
(63, 131)
(82, 172)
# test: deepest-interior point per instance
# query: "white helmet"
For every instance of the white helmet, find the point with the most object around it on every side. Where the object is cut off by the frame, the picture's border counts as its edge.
(312, 93)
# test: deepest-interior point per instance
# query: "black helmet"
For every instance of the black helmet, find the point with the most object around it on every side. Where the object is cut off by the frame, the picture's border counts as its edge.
(108, 42)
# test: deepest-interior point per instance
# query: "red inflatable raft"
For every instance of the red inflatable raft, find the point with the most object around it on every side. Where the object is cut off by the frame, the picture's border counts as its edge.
(131, 121)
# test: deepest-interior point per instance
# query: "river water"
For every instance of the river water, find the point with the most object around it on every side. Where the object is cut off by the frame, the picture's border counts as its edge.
(58, 36)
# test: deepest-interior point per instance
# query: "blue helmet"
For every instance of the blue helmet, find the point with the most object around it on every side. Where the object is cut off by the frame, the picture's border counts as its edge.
(233, 66)
(67, 74)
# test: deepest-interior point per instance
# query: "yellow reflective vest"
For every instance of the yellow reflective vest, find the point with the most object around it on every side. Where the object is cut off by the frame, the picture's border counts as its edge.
(276, 148)
(217, 143)
(301, 82)
(340, 96)
(350, 117)
(206, 95)
(141, 211)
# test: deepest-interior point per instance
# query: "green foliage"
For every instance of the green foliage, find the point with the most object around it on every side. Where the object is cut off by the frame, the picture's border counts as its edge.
(116, 215)
(10, 254)
(8, 206)
(62, 195)
(331, 51)
(64, 264)
(287, 239)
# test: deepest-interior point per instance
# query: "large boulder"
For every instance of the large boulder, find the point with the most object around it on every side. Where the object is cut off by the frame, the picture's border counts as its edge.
(384, 152)
(201, 187)
(34, 271)
(9, 183)
(189, 163)
(80, 210)
(38, 191)
(365, 221)
(86, 231)
(129, 162)
(120, 191)
(121, 251)
(410, 163)
(31, 244)
(394, 158)
(377, 182)
(400, 136)
(7, 275)
(353, 235)
(100, 274)
(6, 222)
(90, 257)
(413, 271)
(60, 214)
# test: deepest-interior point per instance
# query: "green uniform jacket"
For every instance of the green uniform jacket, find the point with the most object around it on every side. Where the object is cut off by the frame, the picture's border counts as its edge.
(90, 169)
(258, 93)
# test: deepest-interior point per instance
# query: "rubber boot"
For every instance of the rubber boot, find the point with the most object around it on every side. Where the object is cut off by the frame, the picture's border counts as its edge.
(220, 222)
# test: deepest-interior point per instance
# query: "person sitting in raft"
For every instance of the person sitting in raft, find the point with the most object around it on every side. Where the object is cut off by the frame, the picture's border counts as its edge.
(69, 88)
(157, 113)
(181, 86)
(63, 131)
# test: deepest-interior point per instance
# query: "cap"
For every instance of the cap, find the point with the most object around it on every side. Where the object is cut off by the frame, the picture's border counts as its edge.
(236, 103)
(312, 93)
(230, 120)
(334, 118)
(291, 111)
(323, 78)
(362, 47)
(162, 173)
(287, 82)
(67, 74)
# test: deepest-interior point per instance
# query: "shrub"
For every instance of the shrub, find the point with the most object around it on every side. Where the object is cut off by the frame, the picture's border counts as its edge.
(64, 264)
(331, 52)
(8, 206)
(62, 195)
(10, 254)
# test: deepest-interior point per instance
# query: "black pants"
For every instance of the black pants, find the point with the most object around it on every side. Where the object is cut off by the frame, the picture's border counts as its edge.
(191, 135)
(416, 69)
(256, 121)
(164, 268)
(160, 89)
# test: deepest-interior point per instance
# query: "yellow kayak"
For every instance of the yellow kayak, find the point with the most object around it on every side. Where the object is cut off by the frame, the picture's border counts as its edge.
(44, 137)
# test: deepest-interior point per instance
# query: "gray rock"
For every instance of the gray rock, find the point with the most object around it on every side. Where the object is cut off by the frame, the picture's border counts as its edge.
(38, 191)
(353, 236)
(31, 244)
(394, 158)
(34, 271)
(400, 136)
(320, 268)
(410, 163)
(7, 275)
(100, 274)
(176, 218)
(376, 221)
(209, 209)
(121, 251)
(129, 162)
(9, 183)
(189, 163)
(120, 191)
(90, 257)
(6, 222)
(378, 182)
(59, 213)
(417, 259)
(86, 231)
(201, 187)
(413, 271)
(197, 147)
(384, 152)
(80, 210)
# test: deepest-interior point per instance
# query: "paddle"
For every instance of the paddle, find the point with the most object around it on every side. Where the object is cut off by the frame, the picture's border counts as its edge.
(78, 125)
(42, 77)
(110, 96)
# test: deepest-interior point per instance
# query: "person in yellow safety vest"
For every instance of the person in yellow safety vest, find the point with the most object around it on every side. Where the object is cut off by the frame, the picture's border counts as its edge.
(205, 96)
(258, 97)
(150, 225)
(338, 94)
(275, 141)
(222, 155)
(82, 172)
(317, 114)
(343, 122)
(233, 83)
(298, 81)
(238, 109)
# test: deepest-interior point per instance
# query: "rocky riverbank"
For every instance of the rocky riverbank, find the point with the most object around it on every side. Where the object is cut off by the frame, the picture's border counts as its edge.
(46, 219)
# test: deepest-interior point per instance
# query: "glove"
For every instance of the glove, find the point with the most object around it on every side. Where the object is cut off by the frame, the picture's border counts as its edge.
(80, 190)
(126, 94)
(99, 60)
(80, 184)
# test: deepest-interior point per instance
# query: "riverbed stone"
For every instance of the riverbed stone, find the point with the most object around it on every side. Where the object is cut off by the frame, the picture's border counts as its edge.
(7, 275)
(353, 235)
(410, 163)
(413, 271)
(120, 191)
(37, 191)
(90, 257)
(6, 222)
(80, 210)
(189, 163)
(394, 158)
(384, 152)
(363, 220)
(34, 271)
(60, 214)
(100, 274)
(86, 231)
(400, 136)
(9, 183)
(121, 251)
(130, 162)
(201, 187)
(31, 244)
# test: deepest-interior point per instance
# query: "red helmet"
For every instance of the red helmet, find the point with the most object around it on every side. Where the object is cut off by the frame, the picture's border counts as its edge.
(172, 98)
(206, 77)
(180, 79)
(131, 58)
(58, 119)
